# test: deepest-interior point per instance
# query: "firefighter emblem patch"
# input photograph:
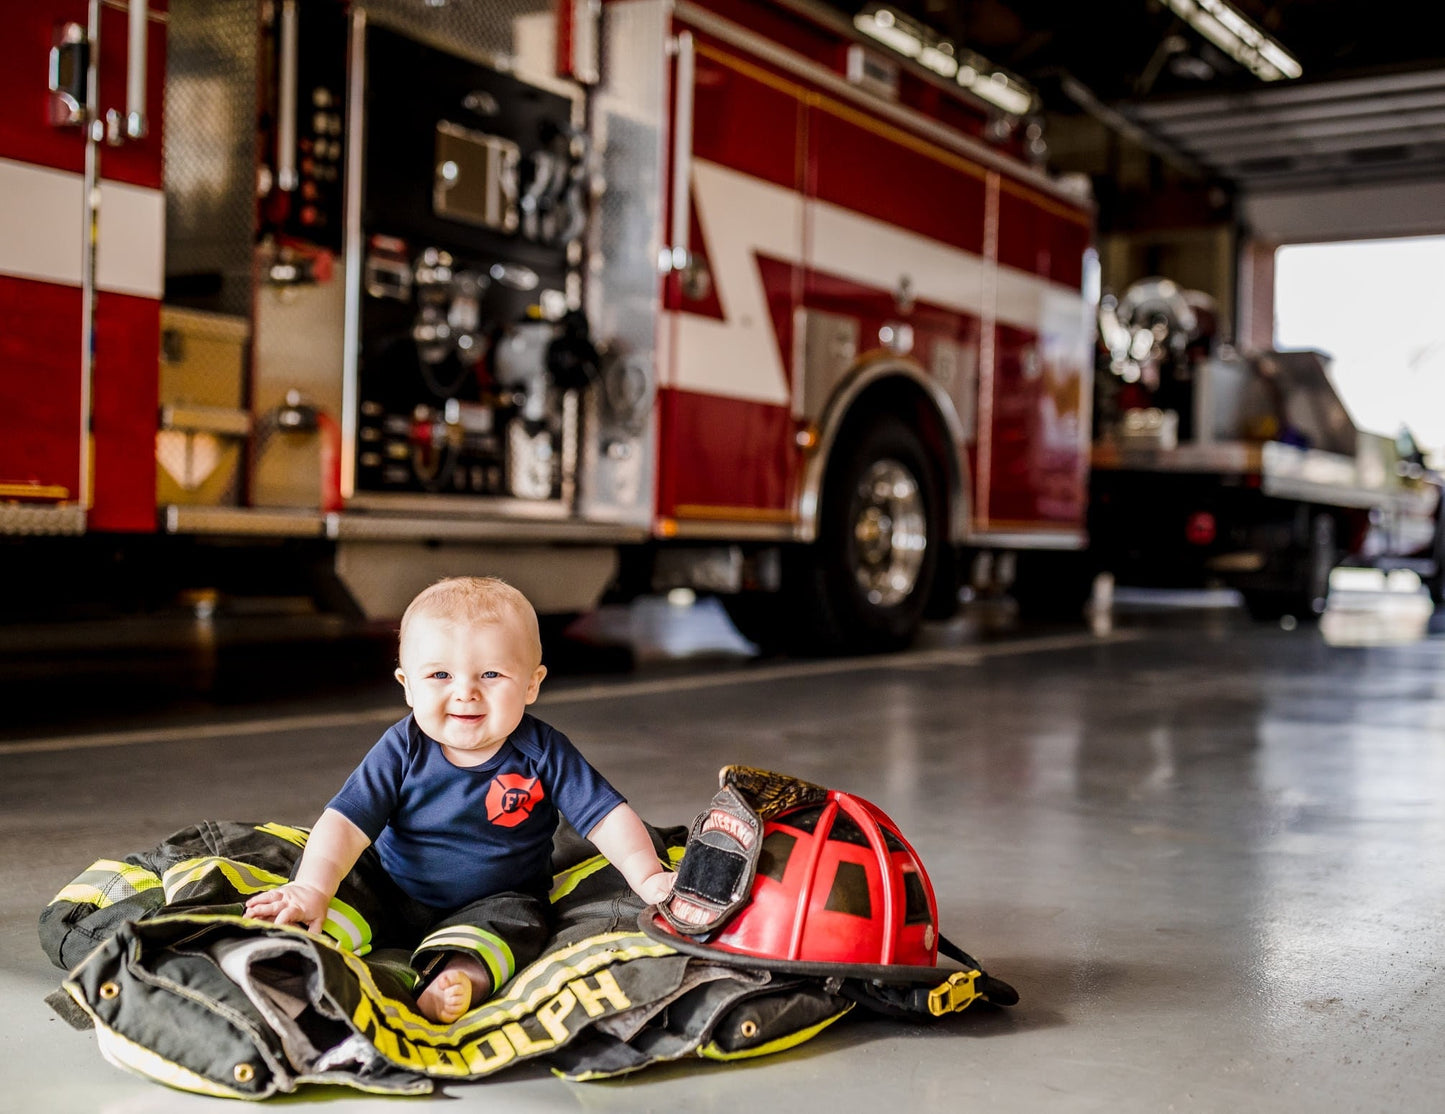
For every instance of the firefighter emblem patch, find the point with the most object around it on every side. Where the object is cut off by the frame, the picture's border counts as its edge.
(511, 798)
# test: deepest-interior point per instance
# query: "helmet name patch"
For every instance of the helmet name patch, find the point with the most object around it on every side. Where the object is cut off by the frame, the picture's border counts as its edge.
(730, 825)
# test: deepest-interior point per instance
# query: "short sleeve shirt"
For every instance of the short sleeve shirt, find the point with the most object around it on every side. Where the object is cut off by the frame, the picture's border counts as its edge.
(450, 835)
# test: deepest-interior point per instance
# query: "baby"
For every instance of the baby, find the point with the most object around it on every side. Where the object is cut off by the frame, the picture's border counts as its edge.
(460, 801)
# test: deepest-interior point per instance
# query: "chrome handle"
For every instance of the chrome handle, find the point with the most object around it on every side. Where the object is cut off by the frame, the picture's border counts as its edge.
(286, 177)
(682, 148)
(135, 71)
(69, 68)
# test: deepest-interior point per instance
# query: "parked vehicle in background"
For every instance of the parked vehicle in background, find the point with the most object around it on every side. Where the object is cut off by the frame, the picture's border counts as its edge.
(1247, 471)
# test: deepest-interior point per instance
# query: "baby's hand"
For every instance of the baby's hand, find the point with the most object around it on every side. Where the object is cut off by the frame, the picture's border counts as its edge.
(293, 903)
(655, 888)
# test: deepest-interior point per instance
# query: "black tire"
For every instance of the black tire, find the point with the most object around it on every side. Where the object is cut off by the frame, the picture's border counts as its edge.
(864, 584)
(1320, 558)
(1303, 585)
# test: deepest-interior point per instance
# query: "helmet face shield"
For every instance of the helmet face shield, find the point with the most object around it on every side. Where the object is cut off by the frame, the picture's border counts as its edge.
(716, 875)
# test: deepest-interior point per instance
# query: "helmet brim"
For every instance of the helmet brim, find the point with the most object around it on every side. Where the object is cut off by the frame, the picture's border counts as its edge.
(652, 922)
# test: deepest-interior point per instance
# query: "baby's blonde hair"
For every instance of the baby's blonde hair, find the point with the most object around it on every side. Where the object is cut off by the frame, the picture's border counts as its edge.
(475, 600)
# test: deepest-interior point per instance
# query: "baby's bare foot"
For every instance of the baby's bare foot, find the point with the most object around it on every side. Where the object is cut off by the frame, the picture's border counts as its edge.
(446, 997)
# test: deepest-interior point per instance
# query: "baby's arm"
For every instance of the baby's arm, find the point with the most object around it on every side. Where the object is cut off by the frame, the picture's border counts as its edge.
(622, 838)
(332, 849)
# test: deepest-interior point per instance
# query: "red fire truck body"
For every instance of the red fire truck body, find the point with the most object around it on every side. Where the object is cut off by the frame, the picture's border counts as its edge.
(721, 290)
(803, 207)
(63, 308)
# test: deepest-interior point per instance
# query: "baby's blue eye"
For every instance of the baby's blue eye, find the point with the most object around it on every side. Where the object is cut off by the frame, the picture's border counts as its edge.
(490, 675)
(440, 675)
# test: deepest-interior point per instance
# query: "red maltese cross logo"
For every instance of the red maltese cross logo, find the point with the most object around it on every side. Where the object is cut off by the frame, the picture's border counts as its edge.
(511, 798)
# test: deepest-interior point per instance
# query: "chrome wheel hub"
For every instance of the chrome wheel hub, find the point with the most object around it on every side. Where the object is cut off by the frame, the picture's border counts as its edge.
(890, 532)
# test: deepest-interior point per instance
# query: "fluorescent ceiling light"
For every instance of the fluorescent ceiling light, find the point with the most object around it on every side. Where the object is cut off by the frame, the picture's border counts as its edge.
(997, 89)
(971, 72)
(1236, 36)
(939, 59)
(885, 27)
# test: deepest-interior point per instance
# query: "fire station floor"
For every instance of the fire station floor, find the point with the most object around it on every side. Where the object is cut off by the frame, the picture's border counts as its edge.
(1206, 852)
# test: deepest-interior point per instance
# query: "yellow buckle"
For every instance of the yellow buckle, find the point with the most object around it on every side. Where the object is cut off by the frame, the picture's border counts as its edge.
(954, 995)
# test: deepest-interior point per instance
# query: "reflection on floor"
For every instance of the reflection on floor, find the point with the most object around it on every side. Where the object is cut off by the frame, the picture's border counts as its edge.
(677, 626)
(1368, 607)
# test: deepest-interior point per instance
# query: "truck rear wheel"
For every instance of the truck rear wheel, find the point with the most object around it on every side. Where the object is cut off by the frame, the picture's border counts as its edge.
(867, 579)
(1303, 578)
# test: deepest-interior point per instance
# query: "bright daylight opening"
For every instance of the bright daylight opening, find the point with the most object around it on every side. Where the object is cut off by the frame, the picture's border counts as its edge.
(1377, 307)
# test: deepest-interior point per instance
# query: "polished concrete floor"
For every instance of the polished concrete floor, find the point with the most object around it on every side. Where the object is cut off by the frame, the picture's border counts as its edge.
(1208, 853)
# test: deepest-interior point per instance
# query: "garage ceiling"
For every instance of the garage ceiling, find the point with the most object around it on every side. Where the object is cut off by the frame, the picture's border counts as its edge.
(1369, 107)
(1386, 127)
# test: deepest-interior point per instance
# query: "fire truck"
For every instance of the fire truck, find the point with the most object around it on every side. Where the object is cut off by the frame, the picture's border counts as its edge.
(615, 296)
(1243, 470)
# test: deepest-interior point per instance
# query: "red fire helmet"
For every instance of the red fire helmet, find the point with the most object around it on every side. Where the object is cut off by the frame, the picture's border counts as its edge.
(837, 891)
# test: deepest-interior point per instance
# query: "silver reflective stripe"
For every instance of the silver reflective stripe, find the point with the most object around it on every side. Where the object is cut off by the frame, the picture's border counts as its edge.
(347, 927)
(490, 948)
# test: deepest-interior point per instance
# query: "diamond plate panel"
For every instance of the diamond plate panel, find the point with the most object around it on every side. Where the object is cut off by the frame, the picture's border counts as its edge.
(629, 125)
(210, 157)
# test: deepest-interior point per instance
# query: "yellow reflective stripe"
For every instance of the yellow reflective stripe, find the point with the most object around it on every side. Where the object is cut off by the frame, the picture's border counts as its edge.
(105, 882)
(244, 879)
(569, 879)
(404, 1037)
(298, 836)
(82, 894)
(523, 998)
(590, 1076)
(489, 947)
(137, 877)
(347, 927)
(552, 972)
(712, 1051)
(344, 923)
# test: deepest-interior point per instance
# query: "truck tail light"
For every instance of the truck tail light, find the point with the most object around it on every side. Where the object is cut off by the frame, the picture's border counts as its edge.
(1199, 528)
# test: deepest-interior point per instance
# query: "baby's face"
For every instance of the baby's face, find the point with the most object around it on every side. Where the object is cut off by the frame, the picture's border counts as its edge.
(468, 684)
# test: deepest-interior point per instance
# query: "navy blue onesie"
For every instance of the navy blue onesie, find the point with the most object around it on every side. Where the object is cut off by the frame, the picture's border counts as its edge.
(470, 847)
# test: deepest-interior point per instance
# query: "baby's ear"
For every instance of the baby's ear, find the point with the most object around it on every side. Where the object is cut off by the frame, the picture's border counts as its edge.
(536, 683)
(400, 675)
